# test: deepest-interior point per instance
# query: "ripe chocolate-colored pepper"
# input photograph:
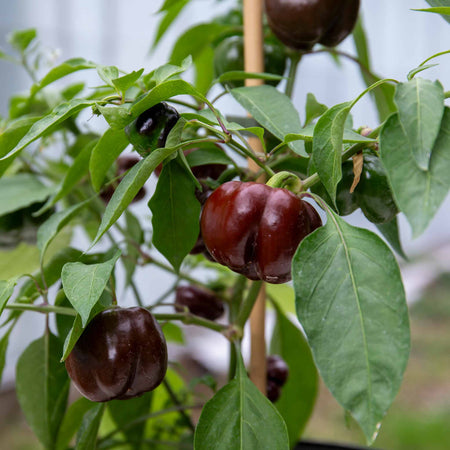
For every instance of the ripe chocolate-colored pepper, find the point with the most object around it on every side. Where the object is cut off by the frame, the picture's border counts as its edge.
(300, 24)
(121, 354)
(199, 302)
(255, 229)
(277, 370)
(151, 128)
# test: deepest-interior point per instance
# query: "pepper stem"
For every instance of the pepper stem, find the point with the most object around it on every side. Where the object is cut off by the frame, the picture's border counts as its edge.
(287, 181)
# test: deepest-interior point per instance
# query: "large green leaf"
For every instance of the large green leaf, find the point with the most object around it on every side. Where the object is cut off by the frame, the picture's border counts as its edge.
(351, 303)
(130, 186)
(87, 433)
(420, 109)
(124, 413)
(85, 283)
(391, 233)
(175, 214)
(72, 422)
(52, 226)
(108, 148)
(239, 417)
(299, 393)
(15, 131)
(21, 190)
(58, 115)
(273, 110)
(327, 146)
(42, 388)
(418, 193)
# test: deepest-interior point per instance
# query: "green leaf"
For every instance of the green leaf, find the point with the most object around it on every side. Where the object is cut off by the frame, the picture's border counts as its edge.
(6, 290)
(21, 40)
(3, 348)
(76, 173)
(87, 433)
(72, 422)
(273, 110)
(15, 131)
(167, 71)
(85, 283)
(313, 109)
(108, 74)
(440, 3)
(384, 94)
(351, 303)
(64, 69)
(164, 91)
(418, 193)
(445, 10)
(118, 117)
(239, 417)
(204, 70)
(173, 333)
(299, 394)
(42, 388)
(175, 214)
(52, 226)
(129, 187)
(420, 108)
(391, 233)
(327, 146)
(123, 83)
(172, 13)
(108, 148)
(21, 190)
(58, 115)
(412, 73)
(208, 154)
(123, 413)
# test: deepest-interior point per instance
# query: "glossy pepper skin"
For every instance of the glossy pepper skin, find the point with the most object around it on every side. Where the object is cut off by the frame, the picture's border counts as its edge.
(151, 128)
(229, 56)
(121, 354)
(277, 370)
(255, 229)
(199, 302)
(346, 202)
(374, 193)
(300, 24)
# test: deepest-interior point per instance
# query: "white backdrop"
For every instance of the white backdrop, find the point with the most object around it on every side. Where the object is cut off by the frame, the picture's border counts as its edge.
(111, 32)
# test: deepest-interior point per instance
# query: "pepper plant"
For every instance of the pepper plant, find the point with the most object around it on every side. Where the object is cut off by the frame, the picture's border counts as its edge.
(57, 174)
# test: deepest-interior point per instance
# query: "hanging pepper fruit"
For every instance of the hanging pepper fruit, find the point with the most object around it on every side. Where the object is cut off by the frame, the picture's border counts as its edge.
(373, 192)
(121, 354)
(151, 128)
(255, 229)
(277, 375)
(199, 302)
(229, 56)
(346, 201)
(300, 24)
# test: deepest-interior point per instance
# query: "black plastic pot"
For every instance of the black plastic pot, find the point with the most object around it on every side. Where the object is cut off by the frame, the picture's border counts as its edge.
(311, 445)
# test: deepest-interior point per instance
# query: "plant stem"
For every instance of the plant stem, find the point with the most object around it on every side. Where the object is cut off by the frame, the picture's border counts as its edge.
(45, 309)
(177, 402)
(191, 319)
(295, 58)
(253, 157)
(247, 304)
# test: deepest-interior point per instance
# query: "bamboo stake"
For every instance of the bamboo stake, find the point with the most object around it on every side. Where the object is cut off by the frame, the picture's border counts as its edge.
(254, 62)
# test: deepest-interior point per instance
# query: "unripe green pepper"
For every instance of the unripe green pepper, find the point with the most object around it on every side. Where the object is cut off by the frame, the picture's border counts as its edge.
(229, 56)
(374, 193)
(346, 202)
(300, 24)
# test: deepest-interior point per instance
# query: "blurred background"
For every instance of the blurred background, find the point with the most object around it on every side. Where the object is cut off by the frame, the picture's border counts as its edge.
(111, 32)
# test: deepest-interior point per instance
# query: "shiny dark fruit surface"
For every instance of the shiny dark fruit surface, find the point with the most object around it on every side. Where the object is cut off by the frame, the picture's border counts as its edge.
(199, 302)
(121, 354)
(300, 24)
(255, 229)
(277, 370)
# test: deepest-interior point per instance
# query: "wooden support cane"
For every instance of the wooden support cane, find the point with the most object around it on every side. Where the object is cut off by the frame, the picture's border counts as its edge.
(254, 62)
